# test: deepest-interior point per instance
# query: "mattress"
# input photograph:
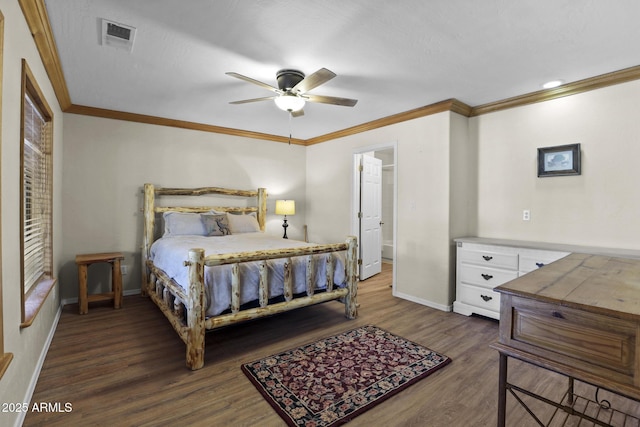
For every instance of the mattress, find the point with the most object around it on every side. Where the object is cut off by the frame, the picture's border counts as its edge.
(170, 253)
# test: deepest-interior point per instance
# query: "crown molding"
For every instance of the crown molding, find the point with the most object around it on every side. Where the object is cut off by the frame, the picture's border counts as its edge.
(35, 13)
(580, 86)
(439, 107)
(153, 120)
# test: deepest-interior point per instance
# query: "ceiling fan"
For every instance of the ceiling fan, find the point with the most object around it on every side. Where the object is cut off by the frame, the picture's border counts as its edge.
(291, 93)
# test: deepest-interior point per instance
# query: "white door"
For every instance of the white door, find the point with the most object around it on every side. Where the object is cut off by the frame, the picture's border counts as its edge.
(370, 216)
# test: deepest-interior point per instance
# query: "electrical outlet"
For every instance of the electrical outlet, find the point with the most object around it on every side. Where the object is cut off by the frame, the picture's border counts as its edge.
(526, 215)
(123, 269)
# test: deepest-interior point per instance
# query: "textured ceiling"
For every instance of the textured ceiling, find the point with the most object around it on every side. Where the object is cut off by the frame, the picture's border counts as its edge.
(393, 56)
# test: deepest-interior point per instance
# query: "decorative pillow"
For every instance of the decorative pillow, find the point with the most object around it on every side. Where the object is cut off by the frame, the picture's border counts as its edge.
(216, 225)
(183, 223)
(243, 223)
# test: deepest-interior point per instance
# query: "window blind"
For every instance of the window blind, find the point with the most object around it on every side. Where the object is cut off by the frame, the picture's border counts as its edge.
(36, 162)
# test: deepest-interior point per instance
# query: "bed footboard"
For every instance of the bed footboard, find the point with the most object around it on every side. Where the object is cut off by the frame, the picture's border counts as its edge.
(195, 310)
(190, 321)
(348, 294)
(186, 314)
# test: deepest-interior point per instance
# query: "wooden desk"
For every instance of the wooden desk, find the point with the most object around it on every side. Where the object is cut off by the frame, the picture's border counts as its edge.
(83, 262)
(580, 317)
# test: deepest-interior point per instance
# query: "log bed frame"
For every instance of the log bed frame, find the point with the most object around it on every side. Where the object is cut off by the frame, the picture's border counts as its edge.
(187, 313)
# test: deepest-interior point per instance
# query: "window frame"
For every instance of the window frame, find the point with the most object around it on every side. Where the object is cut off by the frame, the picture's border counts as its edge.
(33, 298)
(5, 358)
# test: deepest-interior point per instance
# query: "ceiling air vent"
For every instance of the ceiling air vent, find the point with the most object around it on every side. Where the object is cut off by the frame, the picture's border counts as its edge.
(117, 35)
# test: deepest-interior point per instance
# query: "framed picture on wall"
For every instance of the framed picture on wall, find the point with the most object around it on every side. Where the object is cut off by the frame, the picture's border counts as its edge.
(560, 160)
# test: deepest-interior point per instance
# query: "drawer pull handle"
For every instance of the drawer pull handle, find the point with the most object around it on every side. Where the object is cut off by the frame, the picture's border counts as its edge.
(487, 257)
(540, 264)
(487, 276)
(557, 314)
(486, 298)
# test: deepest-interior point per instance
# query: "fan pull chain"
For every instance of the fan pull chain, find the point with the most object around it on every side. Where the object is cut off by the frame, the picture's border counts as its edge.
(290, 115)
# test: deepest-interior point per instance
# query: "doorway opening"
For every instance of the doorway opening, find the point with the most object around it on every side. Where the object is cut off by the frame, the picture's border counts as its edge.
(377, 245)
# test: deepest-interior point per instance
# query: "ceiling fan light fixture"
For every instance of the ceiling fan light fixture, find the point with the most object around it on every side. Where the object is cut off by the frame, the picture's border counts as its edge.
(289, 103)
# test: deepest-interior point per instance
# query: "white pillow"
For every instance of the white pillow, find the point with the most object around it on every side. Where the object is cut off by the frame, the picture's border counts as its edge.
(183, 223)
(243, 223)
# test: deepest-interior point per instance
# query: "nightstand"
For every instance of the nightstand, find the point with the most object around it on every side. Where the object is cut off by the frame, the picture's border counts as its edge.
(83, 262)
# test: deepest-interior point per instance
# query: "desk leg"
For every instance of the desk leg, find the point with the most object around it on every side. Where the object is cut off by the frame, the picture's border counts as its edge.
(502, 391)
(83, 304)
(116, 275)
(571, 395)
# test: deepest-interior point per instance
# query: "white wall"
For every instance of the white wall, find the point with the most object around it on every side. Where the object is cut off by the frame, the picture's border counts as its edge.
(599, 207)
(26, 344)
(108, 161)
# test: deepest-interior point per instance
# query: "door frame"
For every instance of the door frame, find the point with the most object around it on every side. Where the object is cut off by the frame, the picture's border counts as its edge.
(355, 196)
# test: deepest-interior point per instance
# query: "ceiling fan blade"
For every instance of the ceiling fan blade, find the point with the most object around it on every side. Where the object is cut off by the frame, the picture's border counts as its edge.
(298, 113)
(246, 101)
(314, 80)
(333, 100)
(254, 81)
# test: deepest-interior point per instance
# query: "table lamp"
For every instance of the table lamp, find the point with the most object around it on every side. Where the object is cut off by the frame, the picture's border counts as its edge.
(285, 207)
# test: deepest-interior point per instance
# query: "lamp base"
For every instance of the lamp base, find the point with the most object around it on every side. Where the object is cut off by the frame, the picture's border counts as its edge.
(285, 225)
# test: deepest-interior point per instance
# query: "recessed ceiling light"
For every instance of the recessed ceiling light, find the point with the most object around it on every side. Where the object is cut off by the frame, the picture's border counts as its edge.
(552, 84)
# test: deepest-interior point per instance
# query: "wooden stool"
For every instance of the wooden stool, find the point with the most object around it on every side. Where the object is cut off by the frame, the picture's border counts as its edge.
(83, 262)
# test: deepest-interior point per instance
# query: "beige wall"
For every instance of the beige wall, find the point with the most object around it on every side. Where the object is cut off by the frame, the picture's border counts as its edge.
(108, 161)
(599, 207)
(27, 344)
(463, 200)
(423, 233)
(463, 203)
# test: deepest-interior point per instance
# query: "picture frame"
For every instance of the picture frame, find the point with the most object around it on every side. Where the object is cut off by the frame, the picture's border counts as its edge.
(561, 160)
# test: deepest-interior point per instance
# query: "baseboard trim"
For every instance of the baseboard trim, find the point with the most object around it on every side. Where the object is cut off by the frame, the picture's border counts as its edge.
(423, 301)
(36, 373)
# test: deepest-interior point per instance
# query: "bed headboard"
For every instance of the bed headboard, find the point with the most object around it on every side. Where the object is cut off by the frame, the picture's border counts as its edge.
(150, 209)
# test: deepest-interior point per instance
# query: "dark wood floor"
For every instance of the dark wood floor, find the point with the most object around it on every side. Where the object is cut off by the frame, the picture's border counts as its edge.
(126, 367)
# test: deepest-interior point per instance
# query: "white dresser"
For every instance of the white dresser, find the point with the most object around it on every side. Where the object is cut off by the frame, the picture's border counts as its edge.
(483, 264)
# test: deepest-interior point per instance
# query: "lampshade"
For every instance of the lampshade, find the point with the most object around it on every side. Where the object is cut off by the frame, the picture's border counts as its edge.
(285, 207)
(289, 102)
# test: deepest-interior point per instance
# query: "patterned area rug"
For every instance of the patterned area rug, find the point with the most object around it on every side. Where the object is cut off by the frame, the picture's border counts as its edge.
(331, 381)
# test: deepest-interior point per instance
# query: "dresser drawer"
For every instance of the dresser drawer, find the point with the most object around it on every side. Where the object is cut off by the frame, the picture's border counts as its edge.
(532, 260)
(485, 277)
(489, 259)
(479, 297)
(575, 337)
